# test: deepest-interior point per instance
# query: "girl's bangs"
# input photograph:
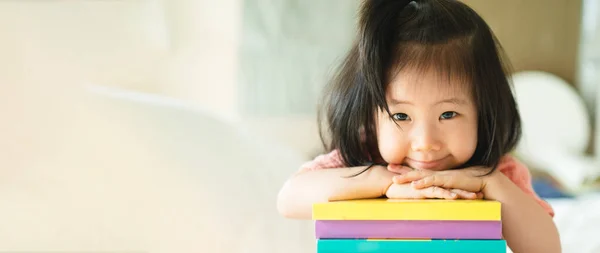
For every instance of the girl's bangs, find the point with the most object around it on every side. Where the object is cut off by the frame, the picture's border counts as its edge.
(452, 62)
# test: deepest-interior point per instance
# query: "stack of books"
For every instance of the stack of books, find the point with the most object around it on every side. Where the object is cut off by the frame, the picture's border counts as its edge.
(415, 226)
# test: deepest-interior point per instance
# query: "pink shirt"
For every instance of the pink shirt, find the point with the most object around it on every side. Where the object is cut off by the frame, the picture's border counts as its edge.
(513, 169)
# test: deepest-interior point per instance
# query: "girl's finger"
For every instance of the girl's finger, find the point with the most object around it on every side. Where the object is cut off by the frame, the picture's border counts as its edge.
(450, 181)
(438, 192)
(465, 194)
(397, 168)
(434, 180)
(410, 176)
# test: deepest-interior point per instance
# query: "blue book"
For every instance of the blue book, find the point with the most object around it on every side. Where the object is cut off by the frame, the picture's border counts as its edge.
(409, 246)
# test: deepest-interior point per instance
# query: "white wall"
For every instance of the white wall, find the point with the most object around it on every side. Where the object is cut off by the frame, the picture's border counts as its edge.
(180, 48)
(50, 48)
(289, 49)
(203, 64)
(115, 42)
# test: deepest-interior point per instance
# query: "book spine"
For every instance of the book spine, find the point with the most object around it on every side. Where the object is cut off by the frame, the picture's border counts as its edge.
(398, 229)
(412, 246)
(404, 211)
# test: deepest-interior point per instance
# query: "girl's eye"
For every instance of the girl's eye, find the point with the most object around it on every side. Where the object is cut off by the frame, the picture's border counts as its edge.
(400, 116)
(448, 115)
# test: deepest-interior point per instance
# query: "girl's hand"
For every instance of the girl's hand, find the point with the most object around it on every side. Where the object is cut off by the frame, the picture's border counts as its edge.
(470, 179)
(406, 191)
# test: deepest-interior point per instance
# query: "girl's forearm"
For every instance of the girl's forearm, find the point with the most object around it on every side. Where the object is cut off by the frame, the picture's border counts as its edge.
(300, 192)
(526, 226)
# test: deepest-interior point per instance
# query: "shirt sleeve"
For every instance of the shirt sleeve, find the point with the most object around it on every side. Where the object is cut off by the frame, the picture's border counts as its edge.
(519, 174)
(330, 160)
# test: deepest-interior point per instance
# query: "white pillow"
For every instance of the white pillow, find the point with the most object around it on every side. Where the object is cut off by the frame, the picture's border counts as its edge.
(556, 126)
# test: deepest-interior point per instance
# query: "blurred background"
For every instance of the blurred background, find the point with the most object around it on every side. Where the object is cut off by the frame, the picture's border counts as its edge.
(169, 125)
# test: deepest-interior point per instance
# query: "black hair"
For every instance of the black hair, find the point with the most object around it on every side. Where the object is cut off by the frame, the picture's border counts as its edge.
(446, 35)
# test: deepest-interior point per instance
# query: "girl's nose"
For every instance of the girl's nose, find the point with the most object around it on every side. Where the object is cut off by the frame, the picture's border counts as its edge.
(424, 138)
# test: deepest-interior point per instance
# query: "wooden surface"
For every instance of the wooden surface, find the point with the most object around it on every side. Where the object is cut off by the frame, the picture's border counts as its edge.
(536, 34)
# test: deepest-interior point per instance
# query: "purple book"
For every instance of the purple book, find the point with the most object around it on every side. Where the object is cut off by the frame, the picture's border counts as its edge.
(407, 229)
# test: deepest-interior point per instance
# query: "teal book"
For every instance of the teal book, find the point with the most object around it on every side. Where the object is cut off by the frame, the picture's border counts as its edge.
(409, 246)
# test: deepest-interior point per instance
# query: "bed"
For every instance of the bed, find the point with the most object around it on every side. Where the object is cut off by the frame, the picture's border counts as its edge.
(578, 222)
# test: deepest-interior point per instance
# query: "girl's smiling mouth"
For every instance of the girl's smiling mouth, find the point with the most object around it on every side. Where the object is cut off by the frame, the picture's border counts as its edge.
(425, 164)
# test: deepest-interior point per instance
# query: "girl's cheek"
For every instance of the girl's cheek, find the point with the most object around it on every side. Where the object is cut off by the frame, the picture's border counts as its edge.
(391, 148)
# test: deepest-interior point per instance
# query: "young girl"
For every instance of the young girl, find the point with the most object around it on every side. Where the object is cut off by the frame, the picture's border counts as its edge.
(422, 108)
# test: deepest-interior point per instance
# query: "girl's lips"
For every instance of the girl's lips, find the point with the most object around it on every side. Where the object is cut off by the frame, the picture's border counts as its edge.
(427, 165)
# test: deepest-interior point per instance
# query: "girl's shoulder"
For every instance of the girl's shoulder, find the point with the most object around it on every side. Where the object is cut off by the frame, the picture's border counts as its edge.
(333, 159)
(520, 175)
(513, 168)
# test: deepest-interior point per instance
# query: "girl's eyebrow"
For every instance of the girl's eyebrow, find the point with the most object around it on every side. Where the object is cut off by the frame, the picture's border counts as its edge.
(457, 101)
(394, 101)
(453, 100)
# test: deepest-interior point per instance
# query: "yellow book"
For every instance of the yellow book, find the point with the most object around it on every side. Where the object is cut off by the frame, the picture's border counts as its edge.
(397, 209)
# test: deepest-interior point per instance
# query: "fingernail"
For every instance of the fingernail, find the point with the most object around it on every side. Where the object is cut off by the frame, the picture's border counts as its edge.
(453, 194)
(417, 182)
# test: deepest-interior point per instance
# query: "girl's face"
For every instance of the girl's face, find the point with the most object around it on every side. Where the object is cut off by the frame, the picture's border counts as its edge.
(436, 122)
